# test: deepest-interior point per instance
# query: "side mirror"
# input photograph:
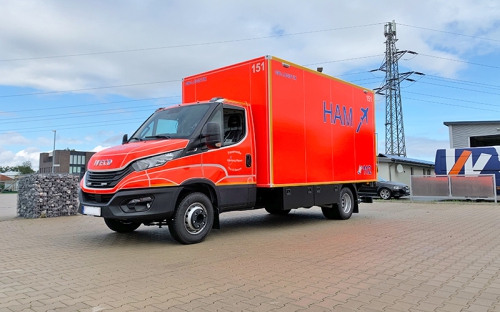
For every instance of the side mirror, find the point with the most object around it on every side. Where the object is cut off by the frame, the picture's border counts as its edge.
(125, 139)
(211, 134)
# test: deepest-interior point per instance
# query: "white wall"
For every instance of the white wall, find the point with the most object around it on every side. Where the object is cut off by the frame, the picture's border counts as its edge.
(389, 172)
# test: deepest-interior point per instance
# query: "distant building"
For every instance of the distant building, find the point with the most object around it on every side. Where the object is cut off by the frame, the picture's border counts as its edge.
(9, 181)
(473, 133)
(66, 161)
(400, 169)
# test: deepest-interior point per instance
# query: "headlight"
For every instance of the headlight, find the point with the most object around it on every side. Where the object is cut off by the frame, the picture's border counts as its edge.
(155, 161)
(395, 187)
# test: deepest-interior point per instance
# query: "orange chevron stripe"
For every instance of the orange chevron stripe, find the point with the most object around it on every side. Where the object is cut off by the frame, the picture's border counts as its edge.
(459, 164)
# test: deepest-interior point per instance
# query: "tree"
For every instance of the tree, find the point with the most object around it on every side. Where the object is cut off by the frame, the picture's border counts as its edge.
(25, 168)
(5, 169)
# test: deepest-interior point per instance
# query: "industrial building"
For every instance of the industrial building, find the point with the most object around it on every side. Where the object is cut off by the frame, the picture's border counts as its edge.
(65, 161)
(473, 133)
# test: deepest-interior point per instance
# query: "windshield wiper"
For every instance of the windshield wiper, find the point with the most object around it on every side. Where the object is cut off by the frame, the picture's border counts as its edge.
(134, 138)
(158, 137)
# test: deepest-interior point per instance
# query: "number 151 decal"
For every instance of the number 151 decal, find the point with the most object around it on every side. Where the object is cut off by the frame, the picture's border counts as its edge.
(257, 67)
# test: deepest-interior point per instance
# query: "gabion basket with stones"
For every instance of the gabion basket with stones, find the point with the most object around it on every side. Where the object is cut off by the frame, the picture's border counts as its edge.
(48, 195)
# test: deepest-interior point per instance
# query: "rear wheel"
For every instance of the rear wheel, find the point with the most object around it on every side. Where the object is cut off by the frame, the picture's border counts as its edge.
(343, 210)
(121, 226)
(385, 193)
(193, 219)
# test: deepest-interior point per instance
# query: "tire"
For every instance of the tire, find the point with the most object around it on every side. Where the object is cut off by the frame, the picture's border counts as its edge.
(193, 219)
(385, 193)
(278, 212)
(344, 209)
(121, 226)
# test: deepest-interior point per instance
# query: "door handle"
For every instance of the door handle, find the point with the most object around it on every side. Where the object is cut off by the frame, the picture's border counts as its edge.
(249, 160)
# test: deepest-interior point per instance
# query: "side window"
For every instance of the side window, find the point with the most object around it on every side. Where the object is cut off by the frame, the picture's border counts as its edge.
(148, 130)
(234, 126)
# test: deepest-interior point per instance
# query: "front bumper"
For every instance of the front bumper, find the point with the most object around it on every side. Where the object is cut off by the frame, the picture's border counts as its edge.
(401, 192)
(119, 206)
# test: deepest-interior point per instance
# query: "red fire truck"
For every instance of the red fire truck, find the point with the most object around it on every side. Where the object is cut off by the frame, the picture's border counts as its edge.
(264, 133)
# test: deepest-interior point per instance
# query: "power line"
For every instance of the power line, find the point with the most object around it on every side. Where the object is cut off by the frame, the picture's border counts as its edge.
(460, 61)
(86, 113)
(187, 45)
(441, 85)
(453, 99)
(93, 104)
(78, 114)
(456, 105)
(354, 58)
(154, 82)
(465, 82)
(120, 122)
(367, 79)
(117, 123)
(177, 80)
(88, 89)
(71, 126)
(110, 111)
(449, 32)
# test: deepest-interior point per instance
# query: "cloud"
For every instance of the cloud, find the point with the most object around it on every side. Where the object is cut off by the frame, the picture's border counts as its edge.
(9, 158)
(13, 138)
(422, 148)
(175, 47)
(68, 141)
(99, 148)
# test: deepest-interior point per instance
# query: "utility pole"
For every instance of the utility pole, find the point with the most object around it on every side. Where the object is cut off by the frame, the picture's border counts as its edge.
(394, 128)
(54, 152)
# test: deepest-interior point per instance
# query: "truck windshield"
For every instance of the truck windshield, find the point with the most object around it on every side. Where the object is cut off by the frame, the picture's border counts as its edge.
(177, 122)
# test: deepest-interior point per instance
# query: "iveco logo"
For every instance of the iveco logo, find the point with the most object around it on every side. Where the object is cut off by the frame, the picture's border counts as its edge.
(105, 162)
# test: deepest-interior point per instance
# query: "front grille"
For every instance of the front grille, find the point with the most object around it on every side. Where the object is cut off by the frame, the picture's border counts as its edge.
(98, 198)
(106, 179)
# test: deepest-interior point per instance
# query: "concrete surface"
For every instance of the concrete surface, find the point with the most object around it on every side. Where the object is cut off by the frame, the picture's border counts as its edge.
(393, 256)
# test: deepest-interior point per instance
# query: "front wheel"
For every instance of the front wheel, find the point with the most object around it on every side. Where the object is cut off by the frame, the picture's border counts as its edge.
(121, 226)
(343, 210)
(385, 193)
(193, 219)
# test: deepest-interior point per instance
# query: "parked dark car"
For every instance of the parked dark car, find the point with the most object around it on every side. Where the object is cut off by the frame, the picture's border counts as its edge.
(385, 189)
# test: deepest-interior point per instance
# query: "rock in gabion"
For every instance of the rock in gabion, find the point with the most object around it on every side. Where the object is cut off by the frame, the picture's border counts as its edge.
(48, 195)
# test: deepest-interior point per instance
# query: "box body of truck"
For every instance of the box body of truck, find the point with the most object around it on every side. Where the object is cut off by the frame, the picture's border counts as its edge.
(310, 128)
(264, 133)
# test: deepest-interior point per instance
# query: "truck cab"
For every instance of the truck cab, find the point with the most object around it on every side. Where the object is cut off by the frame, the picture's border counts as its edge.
(201, 148)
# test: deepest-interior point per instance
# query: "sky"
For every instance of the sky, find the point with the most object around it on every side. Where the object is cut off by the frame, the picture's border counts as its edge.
(95, 70)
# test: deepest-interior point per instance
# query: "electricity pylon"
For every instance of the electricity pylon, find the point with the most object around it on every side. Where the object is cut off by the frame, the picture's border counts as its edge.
(394, 128)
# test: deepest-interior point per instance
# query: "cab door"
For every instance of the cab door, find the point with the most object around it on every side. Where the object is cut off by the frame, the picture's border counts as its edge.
(231, 167)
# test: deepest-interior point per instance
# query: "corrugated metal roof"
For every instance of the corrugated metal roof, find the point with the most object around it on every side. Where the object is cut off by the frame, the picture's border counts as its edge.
(479, 122)
(407, 160)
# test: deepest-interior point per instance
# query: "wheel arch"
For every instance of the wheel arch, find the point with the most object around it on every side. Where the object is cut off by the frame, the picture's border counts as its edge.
(354, 192)
(204, 186)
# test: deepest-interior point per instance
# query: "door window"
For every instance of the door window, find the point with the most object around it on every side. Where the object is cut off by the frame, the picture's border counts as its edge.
(234, 126)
